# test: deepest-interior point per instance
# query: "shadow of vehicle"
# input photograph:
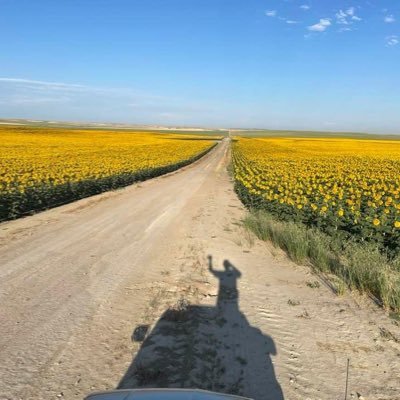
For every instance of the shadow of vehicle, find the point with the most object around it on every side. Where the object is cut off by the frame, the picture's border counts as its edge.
(213, 348)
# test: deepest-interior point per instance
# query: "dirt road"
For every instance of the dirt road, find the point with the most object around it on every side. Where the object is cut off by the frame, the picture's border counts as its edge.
(158, 285)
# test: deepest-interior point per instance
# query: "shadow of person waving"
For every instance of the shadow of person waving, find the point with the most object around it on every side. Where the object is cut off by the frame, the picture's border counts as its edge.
(206, 347)
(228, 293)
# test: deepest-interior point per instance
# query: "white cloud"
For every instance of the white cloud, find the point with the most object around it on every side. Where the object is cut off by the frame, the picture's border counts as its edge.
(36, 99)
(22, 100)
(305, 7)
(53, 85)
(392, 40)
(341, 18)
(321, 26)
(347, 17)
(274, 14)
(389, 19)
(40, 91)
(271, 13)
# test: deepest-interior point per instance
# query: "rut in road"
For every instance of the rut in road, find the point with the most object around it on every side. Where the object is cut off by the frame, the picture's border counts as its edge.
(88, 289)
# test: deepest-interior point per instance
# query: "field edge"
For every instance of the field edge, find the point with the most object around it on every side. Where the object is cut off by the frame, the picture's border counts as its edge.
(44, 197)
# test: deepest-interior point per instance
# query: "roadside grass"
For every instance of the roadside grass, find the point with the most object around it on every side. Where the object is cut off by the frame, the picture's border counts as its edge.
(359, 266)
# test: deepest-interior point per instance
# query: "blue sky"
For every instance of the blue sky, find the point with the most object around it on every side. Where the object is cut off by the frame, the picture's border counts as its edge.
(278, 64)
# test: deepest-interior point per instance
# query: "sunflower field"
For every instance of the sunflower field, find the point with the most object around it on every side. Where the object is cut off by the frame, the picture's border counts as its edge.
(347, 187)
(45, 167)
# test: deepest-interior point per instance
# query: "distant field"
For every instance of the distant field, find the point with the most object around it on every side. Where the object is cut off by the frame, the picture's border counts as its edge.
(44, 167)
(33, 124)
(311, 134)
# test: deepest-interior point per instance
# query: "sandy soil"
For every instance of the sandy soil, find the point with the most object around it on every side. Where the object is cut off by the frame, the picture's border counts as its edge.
(158, 285)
